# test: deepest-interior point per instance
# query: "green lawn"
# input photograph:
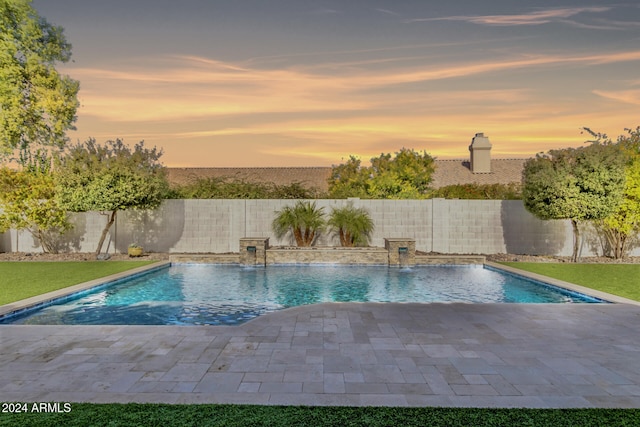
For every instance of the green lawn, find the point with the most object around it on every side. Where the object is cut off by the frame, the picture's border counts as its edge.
(20, 280)
(252, 415)
(618, 279)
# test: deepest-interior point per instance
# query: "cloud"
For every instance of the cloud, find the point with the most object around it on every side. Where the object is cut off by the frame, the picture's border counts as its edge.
(195, 87)
(592, 26)
(321, 112)
(325, 11)
(387, 12)
(532, 18)
(625, 96)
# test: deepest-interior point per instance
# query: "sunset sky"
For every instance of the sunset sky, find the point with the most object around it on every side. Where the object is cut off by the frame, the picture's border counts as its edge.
(226, 83)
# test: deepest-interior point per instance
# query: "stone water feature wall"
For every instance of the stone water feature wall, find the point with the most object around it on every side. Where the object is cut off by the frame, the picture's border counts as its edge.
(216, 226)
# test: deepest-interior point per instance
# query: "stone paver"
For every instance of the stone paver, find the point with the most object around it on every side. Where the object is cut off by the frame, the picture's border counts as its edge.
(483, 355)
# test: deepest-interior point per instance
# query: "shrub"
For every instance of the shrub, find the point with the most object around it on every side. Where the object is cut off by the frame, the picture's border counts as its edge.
(304, 220)
(352, 225)
(511, 191)
(233, 188)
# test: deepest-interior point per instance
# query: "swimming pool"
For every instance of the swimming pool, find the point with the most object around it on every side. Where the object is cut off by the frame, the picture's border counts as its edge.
(197, 294)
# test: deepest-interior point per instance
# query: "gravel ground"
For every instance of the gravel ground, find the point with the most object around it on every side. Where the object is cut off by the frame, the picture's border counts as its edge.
(22, 256)
(83, 256)
(539, 258)
(548, 258)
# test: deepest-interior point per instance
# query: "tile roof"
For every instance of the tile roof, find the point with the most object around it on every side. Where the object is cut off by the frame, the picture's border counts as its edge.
(308, 176)
(448, 172)
(451, 172)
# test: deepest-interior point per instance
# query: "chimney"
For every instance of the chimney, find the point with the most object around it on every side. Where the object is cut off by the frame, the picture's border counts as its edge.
(480, 159)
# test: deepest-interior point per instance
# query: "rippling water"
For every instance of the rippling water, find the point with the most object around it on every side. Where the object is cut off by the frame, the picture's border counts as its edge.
(219, 294)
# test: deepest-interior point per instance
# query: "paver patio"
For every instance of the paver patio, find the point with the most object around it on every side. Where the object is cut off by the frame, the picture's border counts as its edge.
(485, 355)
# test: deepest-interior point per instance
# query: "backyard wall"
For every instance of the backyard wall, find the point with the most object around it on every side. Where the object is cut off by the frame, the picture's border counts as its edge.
(216, 226)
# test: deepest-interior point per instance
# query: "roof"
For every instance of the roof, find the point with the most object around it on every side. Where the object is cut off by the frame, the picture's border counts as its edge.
(308, 176)
(452, 172)
(448, 172)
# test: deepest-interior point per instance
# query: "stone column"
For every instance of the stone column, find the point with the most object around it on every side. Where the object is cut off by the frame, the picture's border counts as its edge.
(253, 251)
(402, 251)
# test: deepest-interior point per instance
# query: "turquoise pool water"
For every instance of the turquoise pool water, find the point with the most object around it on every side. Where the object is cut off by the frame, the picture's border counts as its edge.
(188, 294)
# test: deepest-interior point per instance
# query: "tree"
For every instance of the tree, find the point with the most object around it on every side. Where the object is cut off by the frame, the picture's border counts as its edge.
(352, 225)
(109, 178)
(576, 184)
(37, 104)
(27, 202)
(348, 179)
(623, 224)
(407, 175)
(304, 220)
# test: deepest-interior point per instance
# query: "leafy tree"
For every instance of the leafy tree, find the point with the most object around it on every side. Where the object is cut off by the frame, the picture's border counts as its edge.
(624, 224)
(27, 202)
(412, 170)
(576, 184)
(37, 104)
(304, 220)
(349, 179)
(352, 225)
(407, 175)
(109, 178)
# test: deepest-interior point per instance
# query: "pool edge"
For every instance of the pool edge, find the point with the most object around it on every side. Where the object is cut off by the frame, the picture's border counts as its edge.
(28, 303)
(566, 285)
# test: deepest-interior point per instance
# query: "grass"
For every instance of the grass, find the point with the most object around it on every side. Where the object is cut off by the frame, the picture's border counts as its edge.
(22, 280)
(618, 279)
(252, 415)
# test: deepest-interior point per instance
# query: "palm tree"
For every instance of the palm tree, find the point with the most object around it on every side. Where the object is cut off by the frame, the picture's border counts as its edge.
(353, 225)
(304, 220)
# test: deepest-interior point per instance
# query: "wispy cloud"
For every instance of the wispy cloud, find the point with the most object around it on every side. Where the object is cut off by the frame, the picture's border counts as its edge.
(334, 53)
(198, 87)
(625, 96)
(387, 12)
(325, 11)
(593, 26)
(329, 112)
(532, 18)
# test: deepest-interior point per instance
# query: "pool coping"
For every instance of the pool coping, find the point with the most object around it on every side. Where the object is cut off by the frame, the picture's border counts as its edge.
(566, 285)
(43, 299)
(30, 303)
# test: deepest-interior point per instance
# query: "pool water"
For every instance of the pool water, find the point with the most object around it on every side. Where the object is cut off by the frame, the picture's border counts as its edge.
(192, 294)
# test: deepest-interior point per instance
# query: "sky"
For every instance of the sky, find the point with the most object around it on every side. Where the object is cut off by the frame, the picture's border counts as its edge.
(256, 83)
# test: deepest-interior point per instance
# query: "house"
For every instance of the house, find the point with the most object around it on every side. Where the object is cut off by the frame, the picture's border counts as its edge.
(479, 168)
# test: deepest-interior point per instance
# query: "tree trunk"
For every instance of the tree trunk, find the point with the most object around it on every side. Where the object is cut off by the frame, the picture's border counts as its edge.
(45, 241)
(576, 240)
(110, 221)
(348, 240)
(621, 246)
(343, 239)
(297, 233)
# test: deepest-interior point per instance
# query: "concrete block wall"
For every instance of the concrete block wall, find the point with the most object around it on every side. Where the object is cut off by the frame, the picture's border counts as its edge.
(467, 226)
(83, 237)
(216, 226)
